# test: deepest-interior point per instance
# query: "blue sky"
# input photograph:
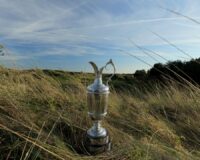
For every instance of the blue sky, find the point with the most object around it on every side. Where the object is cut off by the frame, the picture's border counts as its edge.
(63, 34)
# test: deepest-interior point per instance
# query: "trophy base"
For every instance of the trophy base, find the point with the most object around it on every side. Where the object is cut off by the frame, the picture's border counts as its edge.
(97, 145)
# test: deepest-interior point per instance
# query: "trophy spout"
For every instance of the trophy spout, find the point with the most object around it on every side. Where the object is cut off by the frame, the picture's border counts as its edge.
(94, 67)
(98, 72)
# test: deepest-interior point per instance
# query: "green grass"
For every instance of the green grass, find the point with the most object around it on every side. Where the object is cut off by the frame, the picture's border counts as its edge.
(43, 115)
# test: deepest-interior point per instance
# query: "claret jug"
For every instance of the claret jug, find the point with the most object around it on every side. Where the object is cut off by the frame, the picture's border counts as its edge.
(97, 138)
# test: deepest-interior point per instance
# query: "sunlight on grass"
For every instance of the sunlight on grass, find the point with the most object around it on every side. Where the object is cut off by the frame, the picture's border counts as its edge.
(42, 116)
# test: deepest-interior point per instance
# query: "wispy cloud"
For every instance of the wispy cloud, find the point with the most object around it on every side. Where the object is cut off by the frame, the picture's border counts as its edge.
(38, 28)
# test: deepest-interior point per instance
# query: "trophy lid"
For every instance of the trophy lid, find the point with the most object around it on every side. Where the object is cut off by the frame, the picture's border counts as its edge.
(98, 86)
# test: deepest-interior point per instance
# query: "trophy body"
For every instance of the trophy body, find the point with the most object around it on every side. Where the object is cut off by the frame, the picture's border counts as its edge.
(97, 138)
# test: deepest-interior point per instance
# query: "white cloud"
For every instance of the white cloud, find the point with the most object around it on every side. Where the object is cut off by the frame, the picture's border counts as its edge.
(12, 58)
(85, 27)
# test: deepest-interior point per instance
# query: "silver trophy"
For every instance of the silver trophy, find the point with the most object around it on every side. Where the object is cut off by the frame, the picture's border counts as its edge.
(97, 138)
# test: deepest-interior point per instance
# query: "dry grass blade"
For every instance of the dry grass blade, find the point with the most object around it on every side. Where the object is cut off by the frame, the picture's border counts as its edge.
(23, 151)
(173, 45)
(180, 14)
(33, 145)
(182, 78)
(31, 141)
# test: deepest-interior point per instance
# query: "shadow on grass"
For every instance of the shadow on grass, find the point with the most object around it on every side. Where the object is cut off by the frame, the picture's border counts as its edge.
(72, 136)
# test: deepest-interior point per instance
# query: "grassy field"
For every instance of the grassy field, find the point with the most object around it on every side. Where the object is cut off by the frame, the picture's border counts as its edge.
(43, 115)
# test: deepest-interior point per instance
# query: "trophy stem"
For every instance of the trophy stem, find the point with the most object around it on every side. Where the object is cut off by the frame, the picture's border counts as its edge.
(97, 126)
(97, 139)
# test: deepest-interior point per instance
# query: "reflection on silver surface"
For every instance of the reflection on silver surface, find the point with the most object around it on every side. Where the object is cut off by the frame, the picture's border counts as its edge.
(97, 105)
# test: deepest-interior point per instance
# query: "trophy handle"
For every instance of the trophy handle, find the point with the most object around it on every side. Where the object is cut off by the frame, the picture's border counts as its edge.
(99, 72)
(110, 62)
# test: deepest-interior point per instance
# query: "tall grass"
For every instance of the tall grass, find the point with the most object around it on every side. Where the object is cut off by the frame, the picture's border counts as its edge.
(44, 116)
